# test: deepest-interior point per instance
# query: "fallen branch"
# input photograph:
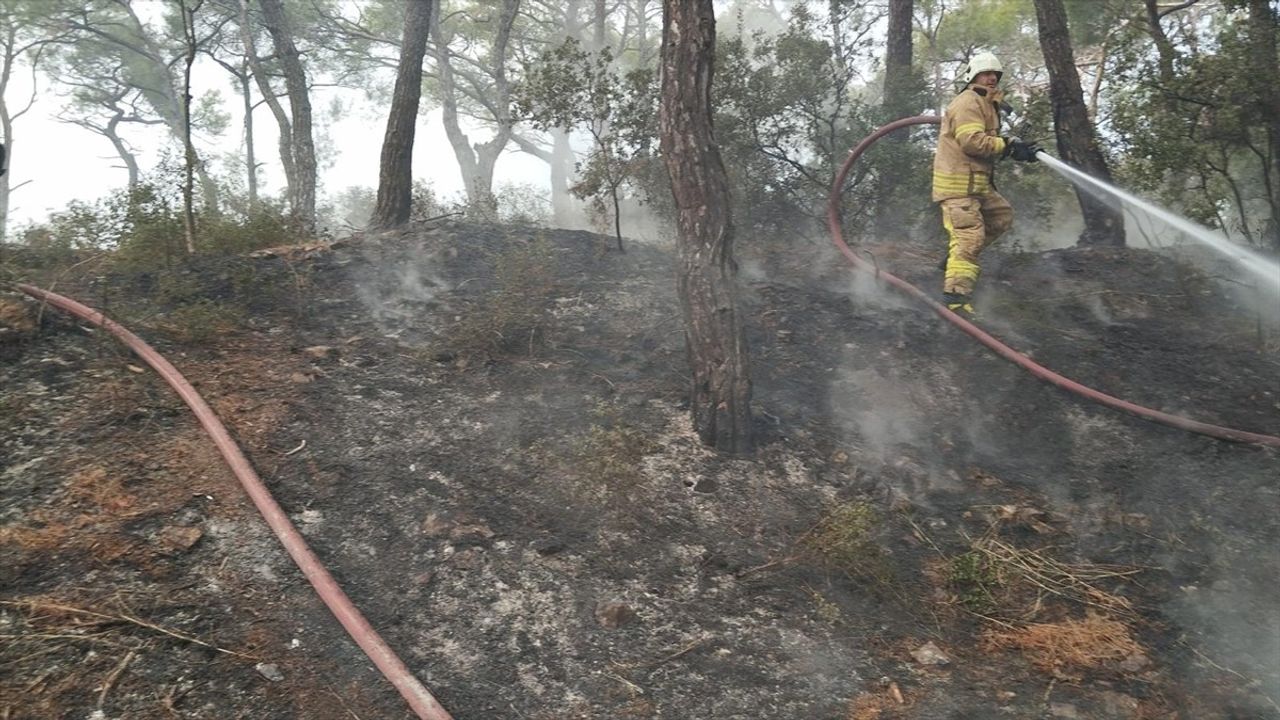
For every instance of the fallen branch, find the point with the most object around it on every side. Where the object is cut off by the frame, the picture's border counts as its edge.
(115, 674)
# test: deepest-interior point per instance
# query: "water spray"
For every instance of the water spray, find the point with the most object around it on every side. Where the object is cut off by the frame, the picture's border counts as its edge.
(1267, 271)
(1008, 353)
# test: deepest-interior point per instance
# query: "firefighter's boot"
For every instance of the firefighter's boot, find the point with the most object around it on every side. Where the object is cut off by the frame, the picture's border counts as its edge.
(959, 304)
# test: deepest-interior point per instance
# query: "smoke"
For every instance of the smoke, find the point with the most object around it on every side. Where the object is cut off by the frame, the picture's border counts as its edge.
(882, 415)
(867, 290)
(396, 284)
(1236, 619)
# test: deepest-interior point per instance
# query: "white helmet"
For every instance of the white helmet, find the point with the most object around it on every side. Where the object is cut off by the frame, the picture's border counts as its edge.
(980, 63)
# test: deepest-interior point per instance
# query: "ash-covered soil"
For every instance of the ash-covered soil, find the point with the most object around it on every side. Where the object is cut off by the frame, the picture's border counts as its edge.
(482, 431)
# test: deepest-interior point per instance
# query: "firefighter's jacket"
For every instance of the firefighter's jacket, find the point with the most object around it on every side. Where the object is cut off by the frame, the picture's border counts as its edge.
(968, 144)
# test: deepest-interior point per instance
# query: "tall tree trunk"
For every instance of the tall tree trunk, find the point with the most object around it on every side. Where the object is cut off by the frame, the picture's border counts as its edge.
(1077, 141)
(897, 88)
(563, 206)
(188, 178)
(6, 138)
(476, 160)
(1164, 48)
(897, 59)
(599, 24)
(250, 158)
(395, 173)
(285, 135)
(561, 161)
(720, 395)
(303, 195)
(1263, 22)
(5, 188)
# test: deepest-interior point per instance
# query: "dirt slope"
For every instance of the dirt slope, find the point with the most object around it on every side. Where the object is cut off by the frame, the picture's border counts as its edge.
(481, 430)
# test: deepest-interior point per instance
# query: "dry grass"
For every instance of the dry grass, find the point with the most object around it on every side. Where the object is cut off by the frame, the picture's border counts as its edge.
(1070, 645)
(52, 617)
(511, 318)
(1016, 582)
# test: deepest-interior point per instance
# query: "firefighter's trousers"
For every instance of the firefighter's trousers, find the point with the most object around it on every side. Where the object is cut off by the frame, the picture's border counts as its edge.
(972, 223)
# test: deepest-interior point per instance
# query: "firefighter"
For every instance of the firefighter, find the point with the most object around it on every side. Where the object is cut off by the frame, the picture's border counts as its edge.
(973, 213)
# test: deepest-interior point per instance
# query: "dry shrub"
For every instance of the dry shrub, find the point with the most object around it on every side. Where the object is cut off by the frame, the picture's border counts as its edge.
(1070, 645)
(200, 321)
(511, 318)
(98, 490)
(995, 578)
(16, 317)
(605, 462)
(878, 706)
(41, 535)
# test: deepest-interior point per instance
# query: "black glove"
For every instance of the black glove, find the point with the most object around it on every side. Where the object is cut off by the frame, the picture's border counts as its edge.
(1021, 151)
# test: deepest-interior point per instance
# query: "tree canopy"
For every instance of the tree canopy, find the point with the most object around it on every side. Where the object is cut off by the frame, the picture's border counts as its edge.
(1181, 95)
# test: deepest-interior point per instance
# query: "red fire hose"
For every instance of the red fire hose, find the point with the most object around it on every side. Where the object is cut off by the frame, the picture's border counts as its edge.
(837, 237)
(419, 698)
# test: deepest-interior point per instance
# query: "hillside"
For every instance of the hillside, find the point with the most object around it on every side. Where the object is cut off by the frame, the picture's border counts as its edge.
(481, 431)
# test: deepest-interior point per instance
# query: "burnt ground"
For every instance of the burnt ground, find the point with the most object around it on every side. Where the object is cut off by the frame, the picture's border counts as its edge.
(481, 431)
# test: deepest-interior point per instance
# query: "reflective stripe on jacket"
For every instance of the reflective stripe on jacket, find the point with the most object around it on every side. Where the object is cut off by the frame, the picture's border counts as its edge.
(967, 145)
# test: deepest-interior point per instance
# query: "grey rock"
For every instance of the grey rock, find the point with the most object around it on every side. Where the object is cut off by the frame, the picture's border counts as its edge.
(930, 654)
(269, 671)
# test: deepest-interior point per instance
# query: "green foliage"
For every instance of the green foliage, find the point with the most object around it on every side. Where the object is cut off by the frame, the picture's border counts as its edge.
(976, 580)
(791, 104)
(208, 115)
(828, 611)
(845, 539)
(1006, 27)
(348, 210)
(1195, 133)
(572, 89)
(143, 228)
(522, 204)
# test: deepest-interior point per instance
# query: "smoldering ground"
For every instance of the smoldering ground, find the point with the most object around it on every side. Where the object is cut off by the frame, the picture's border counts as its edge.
(483, 507)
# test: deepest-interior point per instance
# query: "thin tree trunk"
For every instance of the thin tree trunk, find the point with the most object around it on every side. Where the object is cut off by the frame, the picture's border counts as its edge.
(6, 127)
(188, 205)
(303, 196)
(250, 159)
(563, 208)
(720, 395)
(897, 59)
(1101, 71)
(5, 188)
(122, 149)
(1077, 141)
(395, 173)
(269, 97)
